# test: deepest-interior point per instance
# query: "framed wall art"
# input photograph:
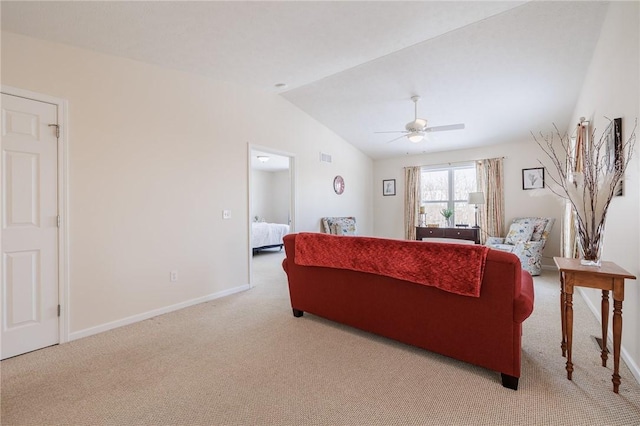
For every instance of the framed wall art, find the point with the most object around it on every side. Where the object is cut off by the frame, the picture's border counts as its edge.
(614, 150)
(533, 178)
(389, 187)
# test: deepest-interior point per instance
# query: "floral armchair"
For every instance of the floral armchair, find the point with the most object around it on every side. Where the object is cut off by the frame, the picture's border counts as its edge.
(339, 225)
(526, 239)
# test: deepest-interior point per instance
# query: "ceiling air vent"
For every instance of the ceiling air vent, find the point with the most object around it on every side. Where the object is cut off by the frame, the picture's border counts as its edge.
(325, 158)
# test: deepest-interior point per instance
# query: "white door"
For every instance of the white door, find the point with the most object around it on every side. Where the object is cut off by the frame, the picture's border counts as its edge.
(29, 225)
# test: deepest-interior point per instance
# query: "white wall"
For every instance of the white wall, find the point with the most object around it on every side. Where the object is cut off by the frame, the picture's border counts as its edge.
(518, 202)
(148, 182)
(261, 187)
(270, 196)
(611, 89)
(280, 196)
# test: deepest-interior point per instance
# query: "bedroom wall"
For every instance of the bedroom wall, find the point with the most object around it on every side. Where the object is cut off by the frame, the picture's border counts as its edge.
(154, 156)
(280, 197)
(260, 195)
(389, 210)
(611, 89)
(270, 196)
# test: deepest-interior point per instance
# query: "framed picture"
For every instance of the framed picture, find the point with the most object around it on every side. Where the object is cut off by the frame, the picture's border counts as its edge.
(389, 187)
(533, 178)
(613, 147)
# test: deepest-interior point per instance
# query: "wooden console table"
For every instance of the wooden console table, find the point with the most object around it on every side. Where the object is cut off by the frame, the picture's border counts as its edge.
(471, 234)
(608, 277)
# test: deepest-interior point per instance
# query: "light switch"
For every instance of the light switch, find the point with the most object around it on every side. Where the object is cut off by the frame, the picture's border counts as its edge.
(226, 214)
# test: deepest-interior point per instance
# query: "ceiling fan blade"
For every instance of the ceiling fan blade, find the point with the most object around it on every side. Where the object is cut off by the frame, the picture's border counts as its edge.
(399, 137)
(459, 126)
(394, 131)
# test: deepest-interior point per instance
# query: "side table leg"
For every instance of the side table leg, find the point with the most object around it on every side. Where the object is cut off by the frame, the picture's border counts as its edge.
(605, 325)
(563, 320)
(569, 331)
(617, 337)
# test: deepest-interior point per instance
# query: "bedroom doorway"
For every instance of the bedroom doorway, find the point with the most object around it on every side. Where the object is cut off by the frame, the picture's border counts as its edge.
(271, 203)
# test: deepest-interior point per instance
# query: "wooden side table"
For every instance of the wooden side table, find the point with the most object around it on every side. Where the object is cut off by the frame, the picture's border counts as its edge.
(608, 277)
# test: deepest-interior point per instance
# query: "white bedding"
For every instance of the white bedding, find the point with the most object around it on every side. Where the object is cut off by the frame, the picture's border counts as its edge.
(267, 234)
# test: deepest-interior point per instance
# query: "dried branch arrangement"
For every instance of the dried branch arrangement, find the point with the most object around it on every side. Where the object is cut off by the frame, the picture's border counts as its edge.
(588, 178)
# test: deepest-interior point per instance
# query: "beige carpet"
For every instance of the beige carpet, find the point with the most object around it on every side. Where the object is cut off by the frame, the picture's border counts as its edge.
(245, 360)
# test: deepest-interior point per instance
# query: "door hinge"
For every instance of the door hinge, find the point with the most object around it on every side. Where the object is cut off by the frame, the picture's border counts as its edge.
(59, 310)
(58, 221)
(57, 129)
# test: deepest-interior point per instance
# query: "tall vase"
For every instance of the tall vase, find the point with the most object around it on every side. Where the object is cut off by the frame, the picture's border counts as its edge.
(590, 246)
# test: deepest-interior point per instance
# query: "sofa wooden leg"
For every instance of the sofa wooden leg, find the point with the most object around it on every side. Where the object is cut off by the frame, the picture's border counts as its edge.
(509, 381)
(297, 313)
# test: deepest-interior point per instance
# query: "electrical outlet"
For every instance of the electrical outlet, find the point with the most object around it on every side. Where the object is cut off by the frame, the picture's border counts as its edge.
(226, 214)
(173, 276)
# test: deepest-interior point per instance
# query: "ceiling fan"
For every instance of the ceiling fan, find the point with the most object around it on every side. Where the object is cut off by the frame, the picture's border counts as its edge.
(417, 129)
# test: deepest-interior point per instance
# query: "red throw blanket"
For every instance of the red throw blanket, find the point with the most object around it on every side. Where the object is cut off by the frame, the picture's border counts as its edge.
(456, 268)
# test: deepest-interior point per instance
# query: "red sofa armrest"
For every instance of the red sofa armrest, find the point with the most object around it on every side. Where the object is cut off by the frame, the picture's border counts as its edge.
(523, 303)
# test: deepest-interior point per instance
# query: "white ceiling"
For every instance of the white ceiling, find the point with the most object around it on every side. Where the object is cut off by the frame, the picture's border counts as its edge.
(502, 68)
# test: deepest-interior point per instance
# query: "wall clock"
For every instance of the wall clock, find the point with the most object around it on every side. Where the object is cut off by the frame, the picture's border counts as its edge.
(338, 184)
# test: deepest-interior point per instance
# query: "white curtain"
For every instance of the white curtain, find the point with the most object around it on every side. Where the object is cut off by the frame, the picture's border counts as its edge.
(569, 242)
(490, 176)
(411, 201)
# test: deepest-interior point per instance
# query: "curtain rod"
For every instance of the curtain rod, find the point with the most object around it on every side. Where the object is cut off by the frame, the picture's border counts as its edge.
(456, 162)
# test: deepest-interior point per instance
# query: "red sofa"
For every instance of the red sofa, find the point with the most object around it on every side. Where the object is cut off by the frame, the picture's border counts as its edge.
(484, 330)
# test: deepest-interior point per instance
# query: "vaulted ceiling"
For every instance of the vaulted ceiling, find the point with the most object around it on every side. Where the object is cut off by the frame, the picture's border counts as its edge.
(503, 69)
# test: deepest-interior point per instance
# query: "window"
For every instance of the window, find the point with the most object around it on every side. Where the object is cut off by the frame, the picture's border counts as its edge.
(448, 188)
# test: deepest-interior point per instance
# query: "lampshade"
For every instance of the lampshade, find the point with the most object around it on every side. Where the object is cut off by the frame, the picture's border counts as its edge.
(415, 137)
(476, 198)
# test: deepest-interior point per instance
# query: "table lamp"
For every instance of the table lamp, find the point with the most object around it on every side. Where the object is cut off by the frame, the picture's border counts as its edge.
(476, 198)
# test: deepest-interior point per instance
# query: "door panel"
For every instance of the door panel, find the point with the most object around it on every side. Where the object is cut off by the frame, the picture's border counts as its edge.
(21, 189)
(22, 289)
(29, 226)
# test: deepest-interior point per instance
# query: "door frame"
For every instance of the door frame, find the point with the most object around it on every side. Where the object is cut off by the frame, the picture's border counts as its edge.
(292, 197)
(63, 206)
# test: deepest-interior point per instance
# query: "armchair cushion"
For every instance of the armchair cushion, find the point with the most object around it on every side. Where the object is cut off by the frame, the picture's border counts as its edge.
(539, 228)
(491, 241)
(509, 248)
(339, 225)
(519, 232)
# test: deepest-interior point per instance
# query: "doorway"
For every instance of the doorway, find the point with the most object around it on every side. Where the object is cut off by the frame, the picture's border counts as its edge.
(32, 207)
(271, 200)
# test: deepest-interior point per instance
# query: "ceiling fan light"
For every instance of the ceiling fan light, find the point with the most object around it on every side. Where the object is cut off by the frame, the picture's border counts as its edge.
(421, 122)
(415, 137)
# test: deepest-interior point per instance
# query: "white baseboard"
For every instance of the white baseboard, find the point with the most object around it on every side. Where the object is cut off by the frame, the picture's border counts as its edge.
(154, 313)
(626, 357)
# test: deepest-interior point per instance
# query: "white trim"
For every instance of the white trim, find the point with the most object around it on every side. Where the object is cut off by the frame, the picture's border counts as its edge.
(153, 313)
(63, 200)
(625, 355)
(27, 94)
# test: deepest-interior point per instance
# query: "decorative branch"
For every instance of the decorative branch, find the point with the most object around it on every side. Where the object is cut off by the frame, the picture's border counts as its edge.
(588, 178)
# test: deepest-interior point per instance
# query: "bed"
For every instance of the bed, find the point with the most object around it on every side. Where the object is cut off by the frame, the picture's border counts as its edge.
(267, 235)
